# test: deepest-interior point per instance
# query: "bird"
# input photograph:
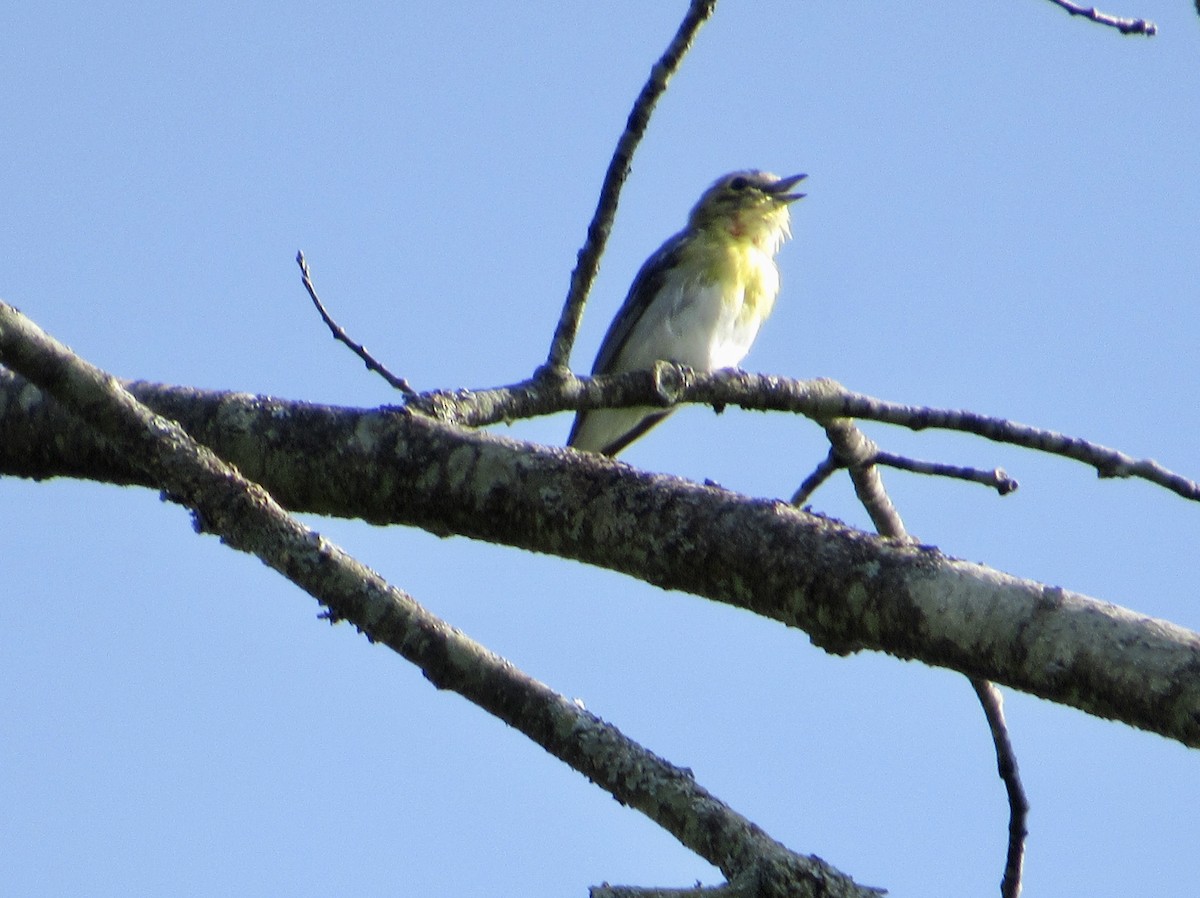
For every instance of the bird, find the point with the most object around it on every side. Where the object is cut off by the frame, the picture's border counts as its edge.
(698, 301)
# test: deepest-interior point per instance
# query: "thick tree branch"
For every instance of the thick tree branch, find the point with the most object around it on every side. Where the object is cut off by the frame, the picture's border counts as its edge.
(847, 589)
(247, 518)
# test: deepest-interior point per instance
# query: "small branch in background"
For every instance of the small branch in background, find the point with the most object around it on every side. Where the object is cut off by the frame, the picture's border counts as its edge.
(856, 451)
(1006, 764)
(339, 334)
(1123, 25)
(828, 466)
(588, 263)
(997, 478)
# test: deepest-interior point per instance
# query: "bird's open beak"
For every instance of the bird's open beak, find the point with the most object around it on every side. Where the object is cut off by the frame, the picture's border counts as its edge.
(781, 187)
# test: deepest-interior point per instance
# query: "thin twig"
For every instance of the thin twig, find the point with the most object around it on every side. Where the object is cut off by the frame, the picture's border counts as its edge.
(857, 452)
(996, 478)
(340, 334)
(588, 263)
(828, 466)
(1006, 765)
(1123, 25)
(820, 399)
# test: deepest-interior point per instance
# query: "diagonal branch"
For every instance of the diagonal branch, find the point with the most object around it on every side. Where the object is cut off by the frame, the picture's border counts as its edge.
(857, 453)
(825, 469)
(246, 517)
(588, 264)
(339, 334)
(1122, 24)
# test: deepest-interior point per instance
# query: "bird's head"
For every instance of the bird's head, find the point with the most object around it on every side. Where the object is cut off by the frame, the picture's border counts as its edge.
(750, 205)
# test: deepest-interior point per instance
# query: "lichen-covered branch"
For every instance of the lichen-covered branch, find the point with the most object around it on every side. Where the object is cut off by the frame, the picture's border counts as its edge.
(246, 517)
(847, 589)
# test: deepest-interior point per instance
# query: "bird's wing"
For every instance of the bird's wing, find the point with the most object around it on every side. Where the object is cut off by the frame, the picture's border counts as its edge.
(647, 283)
(626, 425)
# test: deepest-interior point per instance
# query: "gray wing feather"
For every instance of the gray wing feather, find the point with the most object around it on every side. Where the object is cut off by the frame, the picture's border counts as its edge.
(646, 284)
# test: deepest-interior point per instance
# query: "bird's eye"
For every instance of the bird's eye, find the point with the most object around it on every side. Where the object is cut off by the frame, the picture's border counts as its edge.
(738, 183)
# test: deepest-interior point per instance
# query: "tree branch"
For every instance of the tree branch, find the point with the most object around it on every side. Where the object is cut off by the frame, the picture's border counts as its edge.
(847, 589)
(858, 454)
(996, 478)
(826, 468)
(992, 703)
(246, 517)
(1123, 25)
(339, 334)
(588, 264)
(821, 399)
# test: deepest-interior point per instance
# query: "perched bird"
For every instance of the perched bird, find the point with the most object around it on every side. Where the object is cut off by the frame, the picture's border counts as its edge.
(698, 301)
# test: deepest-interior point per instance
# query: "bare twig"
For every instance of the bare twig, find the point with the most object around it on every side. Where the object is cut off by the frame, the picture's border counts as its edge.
(857, 452)
(340, 334)
(827, 467)
(588, 262)
(996, 478)
(820, 399)
(1123, 25)
(1006, 765)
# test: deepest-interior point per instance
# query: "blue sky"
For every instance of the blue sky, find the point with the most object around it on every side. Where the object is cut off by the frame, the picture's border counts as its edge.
(1002, 216)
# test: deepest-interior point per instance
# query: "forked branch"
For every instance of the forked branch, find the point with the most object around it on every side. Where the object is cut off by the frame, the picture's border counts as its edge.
(246, 517)
(857, 454)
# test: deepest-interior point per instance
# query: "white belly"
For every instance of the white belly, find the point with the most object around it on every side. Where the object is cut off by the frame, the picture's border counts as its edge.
(704, 327)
